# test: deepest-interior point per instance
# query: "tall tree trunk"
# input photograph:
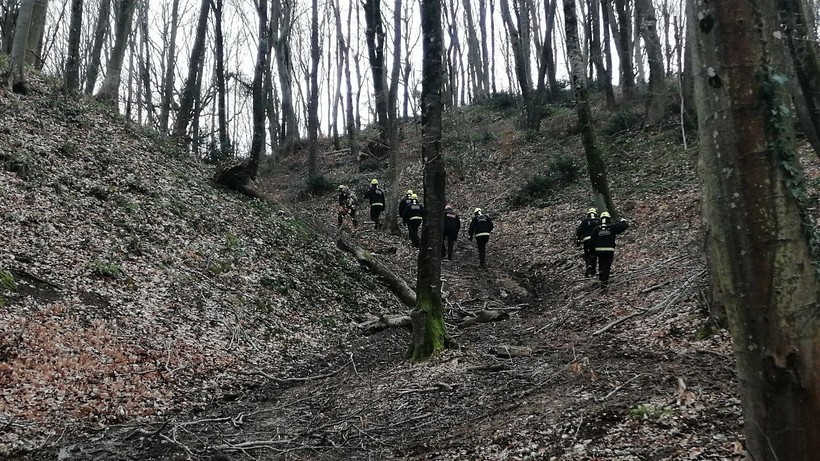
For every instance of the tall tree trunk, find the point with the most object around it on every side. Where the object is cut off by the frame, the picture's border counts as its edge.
(72, 67)
(282, 25)
(8, 14)
(313, 104)
(394, 159)
(170, 69)
(595, 161)
(429, 332)
(219, 62)
(110, 88)
(624, 45)
(17, 75)
(145, 61)
(190, 90)
(375, 48)
(654, 54)
(352, 126)
(759, 236)
(475, 64)
(596, 55)
(341, 57)
(259, 103)
(804, 53)
(35, 34)
(520, 63)
(485, 55)
(100, 32)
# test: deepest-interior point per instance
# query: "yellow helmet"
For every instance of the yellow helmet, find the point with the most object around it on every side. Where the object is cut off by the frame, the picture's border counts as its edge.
(592, 211)
(414, 197)
(409, 192)
(477, 211)
(374, 182)
(341, 187)
(605, 214)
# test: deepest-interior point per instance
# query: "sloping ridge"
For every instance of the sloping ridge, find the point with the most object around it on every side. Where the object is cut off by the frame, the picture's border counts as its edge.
(132, 287)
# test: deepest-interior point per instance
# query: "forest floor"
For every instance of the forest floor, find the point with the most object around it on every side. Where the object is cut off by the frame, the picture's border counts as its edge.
(154, 317)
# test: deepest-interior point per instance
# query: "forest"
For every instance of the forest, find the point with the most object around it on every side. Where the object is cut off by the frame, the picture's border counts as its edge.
(174, 283)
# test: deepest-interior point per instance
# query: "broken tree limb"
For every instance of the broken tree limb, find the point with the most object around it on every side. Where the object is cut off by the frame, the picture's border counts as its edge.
(395, 283)
(484, 316)
(374, 324)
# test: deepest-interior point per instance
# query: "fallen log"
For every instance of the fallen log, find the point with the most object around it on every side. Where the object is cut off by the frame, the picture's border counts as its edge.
(395, 283)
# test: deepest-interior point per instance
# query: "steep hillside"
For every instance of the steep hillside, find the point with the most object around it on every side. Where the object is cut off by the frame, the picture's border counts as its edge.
(149, 316)
(132, 288)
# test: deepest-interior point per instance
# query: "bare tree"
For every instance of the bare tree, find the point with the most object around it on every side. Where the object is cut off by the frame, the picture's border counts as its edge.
(394, 160)
(654, 52)
(429, 332)
(595, 161)
(521, 64)
(100, 32)
(759, 237)
(623, 43)
(35, 34)
(17, 75)
(375, 47)
(190, 91)
(109, 91)
(170, 68)
(281, 26)
(596, 54)
(219, 63)
(72, 67)
(313, 103)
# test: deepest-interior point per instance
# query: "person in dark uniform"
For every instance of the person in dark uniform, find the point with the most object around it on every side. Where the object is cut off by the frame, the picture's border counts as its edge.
(452, 224)
(583, 236)
(413, 217)
(480, 227)
(376, 197)
(603, 239)
(347, 205)
(406, 200)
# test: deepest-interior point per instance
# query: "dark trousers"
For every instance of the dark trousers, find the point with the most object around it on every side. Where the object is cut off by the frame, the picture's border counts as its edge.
(604, 265)
(375, 212)
(450, 241)
(590, 258)
(481, 241)
(413, 229)
(348, 212)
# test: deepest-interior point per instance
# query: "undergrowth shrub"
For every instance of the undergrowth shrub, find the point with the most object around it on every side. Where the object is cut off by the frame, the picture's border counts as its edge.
(562, 171)
(504, 102)
(621, 121)
(319, 185)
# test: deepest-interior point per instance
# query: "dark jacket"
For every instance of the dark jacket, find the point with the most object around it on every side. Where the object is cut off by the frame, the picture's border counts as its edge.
(406, 200)
(452, 223)
(413, 212)
(603, 236)
(481, 225)
(584, 230)
(375, 195)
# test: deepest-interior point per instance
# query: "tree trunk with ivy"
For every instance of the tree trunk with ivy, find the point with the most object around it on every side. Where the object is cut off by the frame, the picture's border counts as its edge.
(429, 332)
(595, 160)
(760, 241)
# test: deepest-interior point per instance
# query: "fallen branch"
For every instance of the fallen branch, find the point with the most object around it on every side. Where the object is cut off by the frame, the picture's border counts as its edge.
(291, 380)
(654, 287)
(395, 283)
(674, 296)
(619, 388)
(374, 323)
(484, 316)
(493, 367)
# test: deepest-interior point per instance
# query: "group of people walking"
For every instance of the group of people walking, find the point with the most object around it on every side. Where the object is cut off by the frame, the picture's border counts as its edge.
(595, 232)
(412, 214)
(597, 235)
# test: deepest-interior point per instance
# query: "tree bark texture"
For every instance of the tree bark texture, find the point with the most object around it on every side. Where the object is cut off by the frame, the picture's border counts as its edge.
(394, 159)
(623, 42)
(110, 88)
(521, 66)
(190, 91)
(595, 161)
(219, 58)
(428, 318)
(759, 239)
(35, 34)
(282, 25)
(596, 53)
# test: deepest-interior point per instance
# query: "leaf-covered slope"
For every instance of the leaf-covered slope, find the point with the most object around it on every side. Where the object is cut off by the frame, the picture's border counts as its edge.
(135, 281)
